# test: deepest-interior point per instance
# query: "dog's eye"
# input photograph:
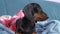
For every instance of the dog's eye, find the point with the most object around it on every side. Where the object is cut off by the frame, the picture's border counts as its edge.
(35, 9)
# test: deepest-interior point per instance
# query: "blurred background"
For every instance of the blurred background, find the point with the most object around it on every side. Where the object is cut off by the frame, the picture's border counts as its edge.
(10, 7)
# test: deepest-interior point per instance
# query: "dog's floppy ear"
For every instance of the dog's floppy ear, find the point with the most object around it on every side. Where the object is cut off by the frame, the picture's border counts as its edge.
(28, 12)
(18, 25)
(18, 22)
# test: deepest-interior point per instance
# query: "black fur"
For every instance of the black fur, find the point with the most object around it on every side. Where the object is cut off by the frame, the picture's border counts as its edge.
(27, 24)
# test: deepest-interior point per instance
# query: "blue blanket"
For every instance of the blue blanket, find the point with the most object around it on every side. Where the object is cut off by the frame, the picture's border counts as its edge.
(48, 27)
(5, 30)
(45, 27)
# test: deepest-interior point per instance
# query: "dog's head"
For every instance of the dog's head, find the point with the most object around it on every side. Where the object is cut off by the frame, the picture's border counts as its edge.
(33, 11)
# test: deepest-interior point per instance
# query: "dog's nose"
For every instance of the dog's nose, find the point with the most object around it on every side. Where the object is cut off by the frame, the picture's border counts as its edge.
(47, 17)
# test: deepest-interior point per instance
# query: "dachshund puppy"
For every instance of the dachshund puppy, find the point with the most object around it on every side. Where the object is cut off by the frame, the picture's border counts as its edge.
(33, 12)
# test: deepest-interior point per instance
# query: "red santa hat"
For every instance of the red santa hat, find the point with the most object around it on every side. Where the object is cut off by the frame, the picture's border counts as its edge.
(5, 18)
(19, 14)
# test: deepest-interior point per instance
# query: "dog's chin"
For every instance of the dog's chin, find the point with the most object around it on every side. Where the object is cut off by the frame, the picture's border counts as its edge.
(41, 19)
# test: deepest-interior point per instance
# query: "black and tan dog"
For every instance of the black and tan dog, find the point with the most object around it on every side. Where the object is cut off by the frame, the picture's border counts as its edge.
(33, 12)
